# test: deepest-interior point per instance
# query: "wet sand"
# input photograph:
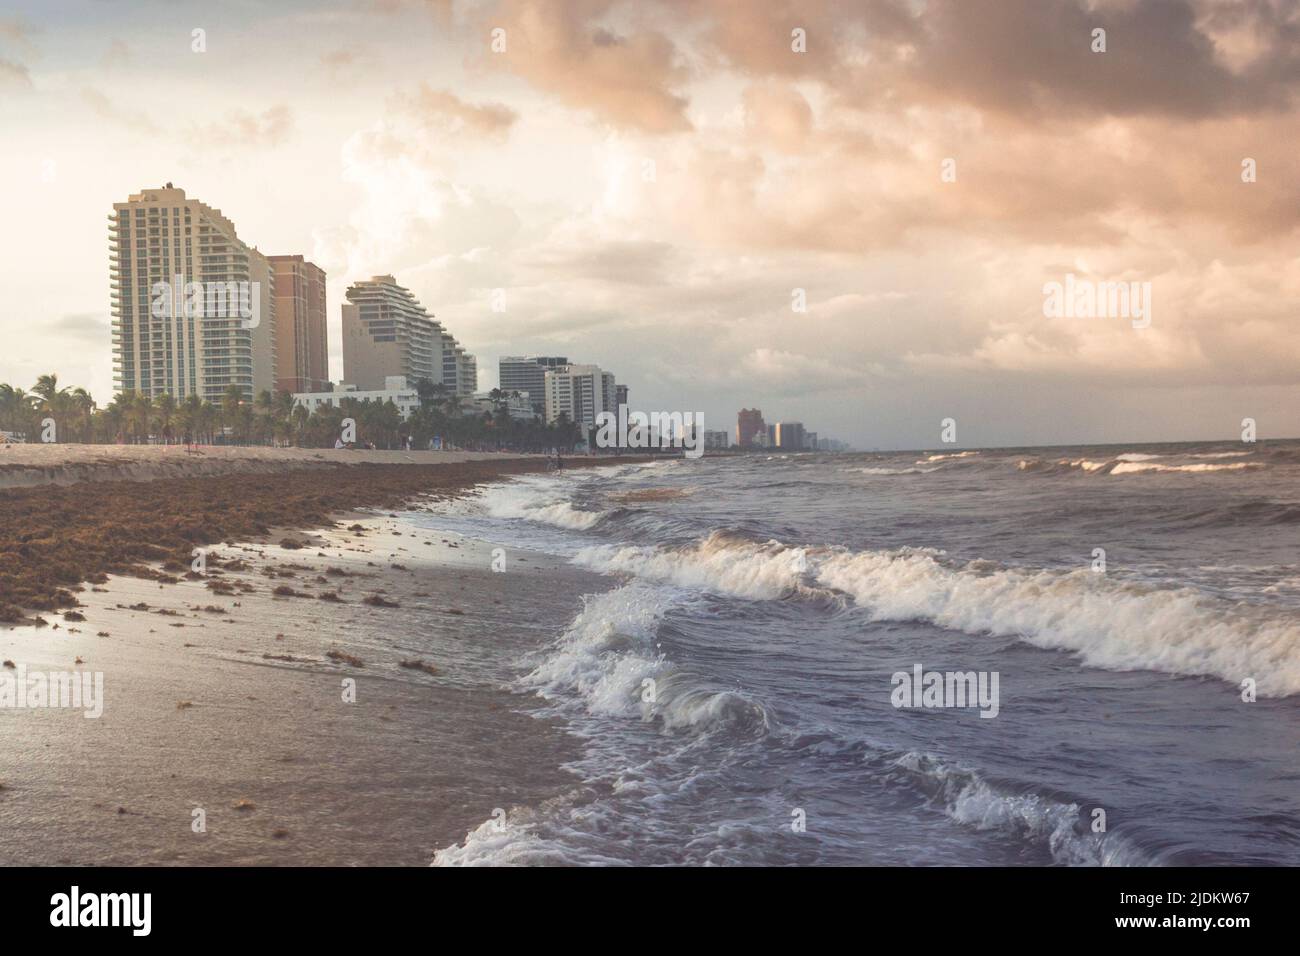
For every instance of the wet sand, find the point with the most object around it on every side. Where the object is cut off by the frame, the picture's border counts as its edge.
(232, 704)
(224, 688)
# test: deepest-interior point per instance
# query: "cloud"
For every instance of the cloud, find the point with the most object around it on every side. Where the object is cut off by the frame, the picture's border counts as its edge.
(14, 76)
(117, 56)
(241, 130)
(627, 77)
(448, 112)
(105, 107)
(87, 326)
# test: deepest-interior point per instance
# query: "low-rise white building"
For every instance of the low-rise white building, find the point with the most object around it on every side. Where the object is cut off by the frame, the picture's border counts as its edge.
(519, 405)
(395, 389)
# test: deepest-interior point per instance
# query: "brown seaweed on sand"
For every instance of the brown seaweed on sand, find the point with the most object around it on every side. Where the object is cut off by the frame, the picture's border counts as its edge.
(345, 658)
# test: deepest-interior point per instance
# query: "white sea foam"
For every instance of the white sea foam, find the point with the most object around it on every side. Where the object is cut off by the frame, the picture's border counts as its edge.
(894, 471)
(719, 563)
(966, 797)
(1137, 456)
(1134, 468)
(1133, 463)
(949, 456)
(535, 500)
(1110, 624)
(608, 651)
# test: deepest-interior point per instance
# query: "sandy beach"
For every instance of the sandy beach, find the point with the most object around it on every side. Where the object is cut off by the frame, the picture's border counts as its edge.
(228, 734)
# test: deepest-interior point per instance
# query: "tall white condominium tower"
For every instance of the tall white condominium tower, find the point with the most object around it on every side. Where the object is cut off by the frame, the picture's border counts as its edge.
(212, 324)
(387, 332)
(580, 393)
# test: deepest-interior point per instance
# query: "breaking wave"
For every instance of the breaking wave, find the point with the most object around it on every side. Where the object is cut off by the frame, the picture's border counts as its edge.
(531, 500)
(967, 797)
(894, 471)
(1128, 464)
(1110, 624)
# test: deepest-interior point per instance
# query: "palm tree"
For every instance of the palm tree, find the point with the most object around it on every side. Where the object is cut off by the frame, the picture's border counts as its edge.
(15, 409)
(139, 416)
(230, 402)
(47, 386)
(208, 418)
(84, 411)
(165, 415)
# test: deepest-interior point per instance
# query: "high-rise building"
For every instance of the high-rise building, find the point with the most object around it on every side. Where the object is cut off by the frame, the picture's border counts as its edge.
(579, 392)
(459, 368)
(527, 373)
(749, 425)
(387, 332)
(193, 309)
(789, 436)
(301, 344)
(620, 395)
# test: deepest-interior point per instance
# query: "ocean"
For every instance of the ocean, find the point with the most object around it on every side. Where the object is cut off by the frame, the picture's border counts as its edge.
(732, 690)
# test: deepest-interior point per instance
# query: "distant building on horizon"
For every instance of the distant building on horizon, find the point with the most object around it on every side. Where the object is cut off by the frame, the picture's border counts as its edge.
(789, 436)
(170, 342)
(387, 332)
(749, 425)
(715, 440)
(301, 329)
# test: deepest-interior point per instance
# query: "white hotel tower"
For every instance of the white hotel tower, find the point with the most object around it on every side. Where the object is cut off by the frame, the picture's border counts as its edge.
(158, 235)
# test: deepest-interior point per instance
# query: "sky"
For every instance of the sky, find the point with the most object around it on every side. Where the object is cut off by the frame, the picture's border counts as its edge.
(844, 214)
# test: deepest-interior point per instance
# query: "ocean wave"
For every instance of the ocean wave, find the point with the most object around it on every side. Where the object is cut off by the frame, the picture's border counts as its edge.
(607, 652)
(1259, 511)
(1135, 468)
(949, 456)
(497, 842)
(970, 799)
(1131, 463)
(1109, 624)
(537, 500)
(722, 563)
(608, 659)
(893, 471)
(1137, 456)
(1063, 465)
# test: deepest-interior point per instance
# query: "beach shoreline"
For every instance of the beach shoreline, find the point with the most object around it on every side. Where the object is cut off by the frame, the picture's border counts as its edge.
(54, 536)
(225, 702)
